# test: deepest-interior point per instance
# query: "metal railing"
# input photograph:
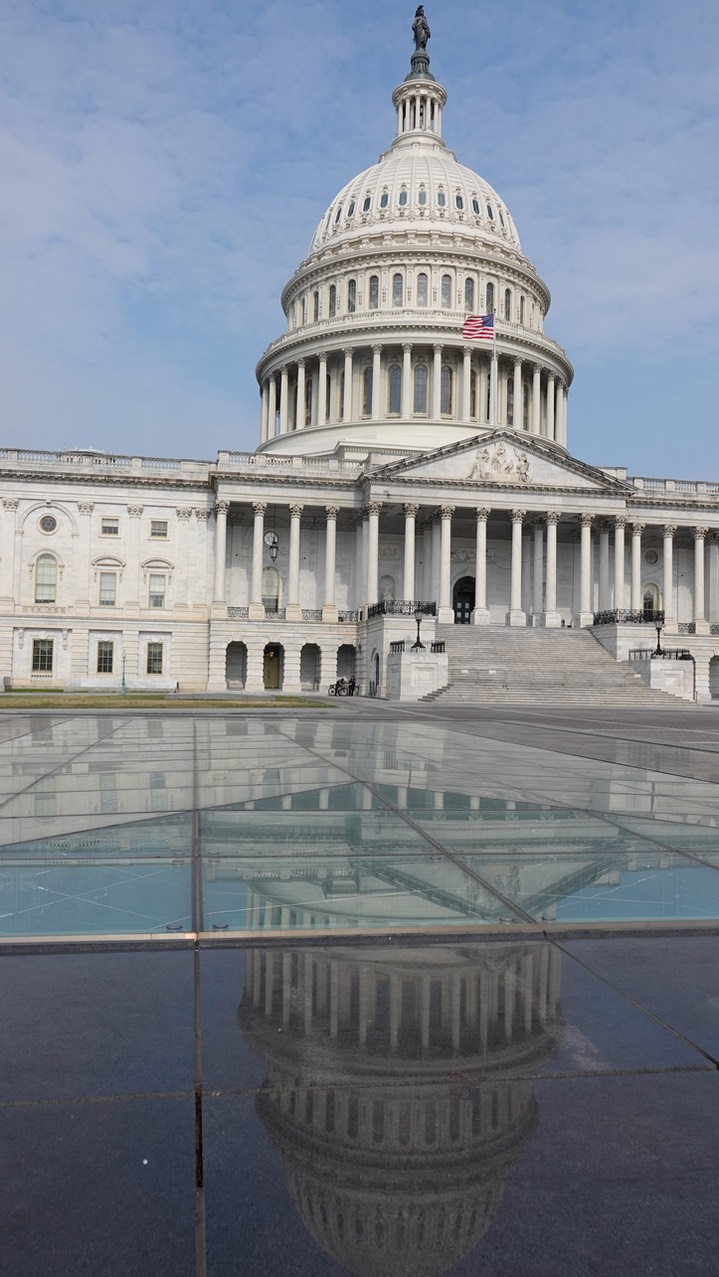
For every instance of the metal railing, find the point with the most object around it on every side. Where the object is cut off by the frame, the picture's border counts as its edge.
(666, 654)
(399, 607)
(624, 616)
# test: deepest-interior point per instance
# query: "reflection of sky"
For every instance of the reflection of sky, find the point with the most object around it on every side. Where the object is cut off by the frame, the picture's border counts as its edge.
(312, 824)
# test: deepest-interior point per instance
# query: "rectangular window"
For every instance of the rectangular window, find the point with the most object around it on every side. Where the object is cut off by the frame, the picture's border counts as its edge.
(105, 654)
(108, 589)
(154, 658)
(42, 656)
(158, 529)
(110, 527)
(46, 579)
(157, 591)
(158, 791)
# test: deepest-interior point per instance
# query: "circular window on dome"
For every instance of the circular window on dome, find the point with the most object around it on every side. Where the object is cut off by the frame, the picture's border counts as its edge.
(651, 557)
(48, 523)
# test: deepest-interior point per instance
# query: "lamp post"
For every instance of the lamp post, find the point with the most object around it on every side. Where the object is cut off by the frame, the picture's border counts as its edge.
(658, 649)
(417, 645)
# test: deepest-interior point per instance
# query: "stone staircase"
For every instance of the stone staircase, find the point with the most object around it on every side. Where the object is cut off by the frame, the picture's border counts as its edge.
(497, 664)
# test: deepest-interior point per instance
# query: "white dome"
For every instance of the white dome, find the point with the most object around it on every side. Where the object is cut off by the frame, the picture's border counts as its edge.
(418, 184)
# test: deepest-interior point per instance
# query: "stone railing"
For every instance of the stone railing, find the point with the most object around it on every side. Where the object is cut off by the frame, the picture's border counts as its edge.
(690, 487)
(623, 616)
(238, 613)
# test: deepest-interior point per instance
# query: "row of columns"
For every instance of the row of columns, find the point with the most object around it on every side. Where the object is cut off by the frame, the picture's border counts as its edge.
(284, 393)
(438, 548)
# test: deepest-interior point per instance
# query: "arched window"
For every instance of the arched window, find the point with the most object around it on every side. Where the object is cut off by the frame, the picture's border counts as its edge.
(441, 199)
(420, 388)
(521, 310)
(446, 292)
(422, 288)
(422, 197)
(397, 290)
(490, 299)
(490, 213)
(403, 197)
(501, 218)
(308, 402)
(394, 389)
(352, 296)
(46, 579)
(526, 391)
(270, 589)
(316, 305)
(510, 401)
(333, 301)
(384, 199)
(351, 209)
(366, 203)
(341, 397)
(373, 292)
(367, 392)
(507, 304)
(469, 295)
(447, 391)
(458, 202)
(304, 310)
(475, 206)
(338, 215)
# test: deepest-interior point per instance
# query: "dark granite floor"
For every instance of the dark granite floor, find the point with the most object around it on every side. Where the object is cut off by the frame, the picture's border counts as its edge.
(516, 1107)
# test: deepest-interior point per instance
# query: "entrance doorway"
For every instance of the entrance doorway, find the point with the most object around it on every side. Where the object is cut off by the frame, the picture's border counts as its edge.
(236, 665)
(272, 666)
(463, 601)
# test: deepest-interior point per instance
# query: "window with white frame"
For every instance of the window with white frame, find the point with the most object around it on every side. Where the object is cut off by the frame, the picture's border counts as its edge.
(158, 589)
(446, 292)
(373, 292)
(367, 391)
(333, 300)
(352, 296)
(158, 529)
(397, 289)
(110, 527)
(490, 299)
(447, 391)
(42, 655)
(421, 377)
(46, 579)
(105, 656)
(422, 288)
(154, 658)
(469, 294)
(394, 390)
(108, 589)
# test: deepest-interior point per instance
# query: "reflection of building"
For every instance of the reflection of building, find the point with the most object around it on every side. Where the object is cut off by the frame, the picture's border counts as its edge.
(397, 462)
(397, 1090)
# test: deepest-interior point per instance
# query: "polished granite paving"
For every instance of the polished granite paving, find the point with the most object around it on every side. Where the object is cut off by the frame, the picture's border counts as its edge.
(372, 992)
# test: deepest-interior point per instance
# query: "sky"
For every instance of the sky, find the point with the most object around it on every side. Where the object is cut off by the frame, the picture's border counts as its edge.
(163, 165)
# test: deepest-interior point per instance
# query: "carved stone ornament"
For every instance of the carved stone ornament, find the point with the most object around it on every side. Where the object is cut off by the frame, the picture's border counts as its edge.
(85, 507)
(388, 552)
(222, 506)
(500, 464)
(10, 503)
(135, 511)
(183, 513)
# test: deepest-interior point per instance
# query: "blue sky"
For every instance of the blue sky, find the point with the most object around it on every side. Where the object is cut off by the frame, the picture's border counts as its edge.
(163, 165)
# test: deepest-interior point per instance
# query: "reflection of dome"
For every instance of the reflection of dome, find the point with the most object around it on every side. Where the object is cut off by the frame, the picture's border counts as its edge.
(395, 1090)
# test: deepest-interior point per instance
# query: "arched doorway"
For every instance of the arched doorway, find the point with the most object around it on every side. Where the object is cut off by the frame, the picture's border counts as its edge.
(346, 658)
(650, 599)
(463, 600)
(714, 678)
(310, 664)
(272, 666)
(236, 665)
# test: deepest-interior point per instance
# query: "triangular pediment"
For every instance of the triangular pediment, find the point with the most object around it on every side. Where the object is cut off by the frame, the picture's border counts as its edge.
(502, 459)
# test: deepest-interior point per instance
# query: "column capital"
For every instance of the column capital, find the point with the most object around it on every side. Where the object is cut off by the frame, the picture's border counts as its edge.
(283, 370)
(202, 514)
(518, 516)
(699, 533)
(669, 529)
(332, 511)
(10, 503)
(348, 351)
(437, 347)
(411, 510)
(605, 526)
(637, 528)
(135, 511)
(374, 507)
(222, 506)
(447, 511)
(586, 520)
(518, 361)
(553, 517)
(296, 511)
(323, 356)
(536, 369)
(259, 507)
(272, 379)
(183, 513)
(482, 513)
(407, 347)
(621, 521)
(377, 348)
(301, 363)
(86, 507)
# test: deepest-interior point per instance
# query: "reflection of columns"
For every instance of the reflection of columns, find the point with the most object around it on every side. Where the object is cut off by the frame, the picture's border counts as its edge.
(536, 391)
(437, 383)
(517, 413)
(221, 509)
(551, 423)
(586, 615)
(373, 552)
(538, 573)
(406, 380)
(329, 609)
(294, 612)
(619, 525)
(445, 615)
(256, 609)
(668, 576)
(466, 381)
(284, 400)
(604, 601)
(637, 529)
(300, 405)
(699, 606)
(322, 390)
(408, 586)
(272, 408)
(551, 615)
(376, 382)
(480, 616)
(515, 615)
(347, 401)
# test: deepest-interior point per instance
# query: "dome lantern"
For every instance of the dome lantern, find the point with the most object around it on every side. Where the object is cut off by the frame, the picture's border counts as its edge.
(419, 99)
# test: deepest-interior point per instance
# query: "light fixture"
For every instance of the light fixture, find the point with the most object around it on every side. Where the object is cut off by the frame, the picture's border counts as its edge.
(417, 645)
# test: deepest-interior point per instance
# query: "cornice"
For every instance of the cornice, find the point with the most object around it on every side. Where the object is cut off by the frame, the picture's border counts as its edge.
(67, 478)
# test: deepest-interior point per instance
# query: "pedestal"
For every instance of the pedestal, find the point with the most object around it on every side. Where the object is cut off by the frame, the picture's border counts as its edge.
(480, 616)
(551, 620)
(445, 616)
(516, 617)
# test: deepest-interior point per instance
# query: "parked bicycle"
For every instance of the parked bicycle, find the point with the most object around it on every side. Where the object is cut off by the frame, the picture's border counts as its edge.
(343, 687)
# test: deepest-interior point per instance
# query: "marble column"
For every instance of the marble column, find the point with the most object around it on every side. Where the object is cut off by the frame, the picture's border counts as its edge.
(517, 395)
(373, 510)
(552, 619)
(466, 382)
(409, 591)
(445, 614)
(700, 621)
(264, 412)
(670, 621)
(536, 398)
(437, 382)
(322, 390)
(358, 523)
(482, 417)
(182, 590)
(516, 616)
(221, 510)
(272, 408)
(294, 611)
(376, 383)
(347, 400)
(561, 432)
(604, 600)
(620, 524)
(256, 610)
(586, 612)
(329, 608)
(300, 406)
(480, 615)
(636, 603)
(551, 422)
(284, 400)
(82, 574)
(538, 571)
(436, 557)
(406, 381)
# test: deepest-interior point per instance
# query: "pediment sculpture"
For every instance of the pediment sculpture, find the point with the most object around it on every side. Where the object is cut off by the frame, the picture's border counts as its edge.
(500, 464)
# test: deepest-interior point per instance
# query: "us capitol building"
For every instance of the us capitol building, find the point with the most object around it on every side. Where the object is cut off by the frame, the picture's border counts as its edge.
(402, 468)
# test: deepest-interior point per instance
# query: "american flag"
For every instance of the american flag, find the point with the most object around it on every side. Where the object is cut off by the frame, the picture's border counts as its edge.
(477, 327)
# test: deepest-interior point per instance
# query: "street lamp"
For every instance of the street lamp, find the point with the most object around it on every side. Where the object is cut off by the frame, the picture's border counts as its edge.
(658, 649)
(417, 645)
